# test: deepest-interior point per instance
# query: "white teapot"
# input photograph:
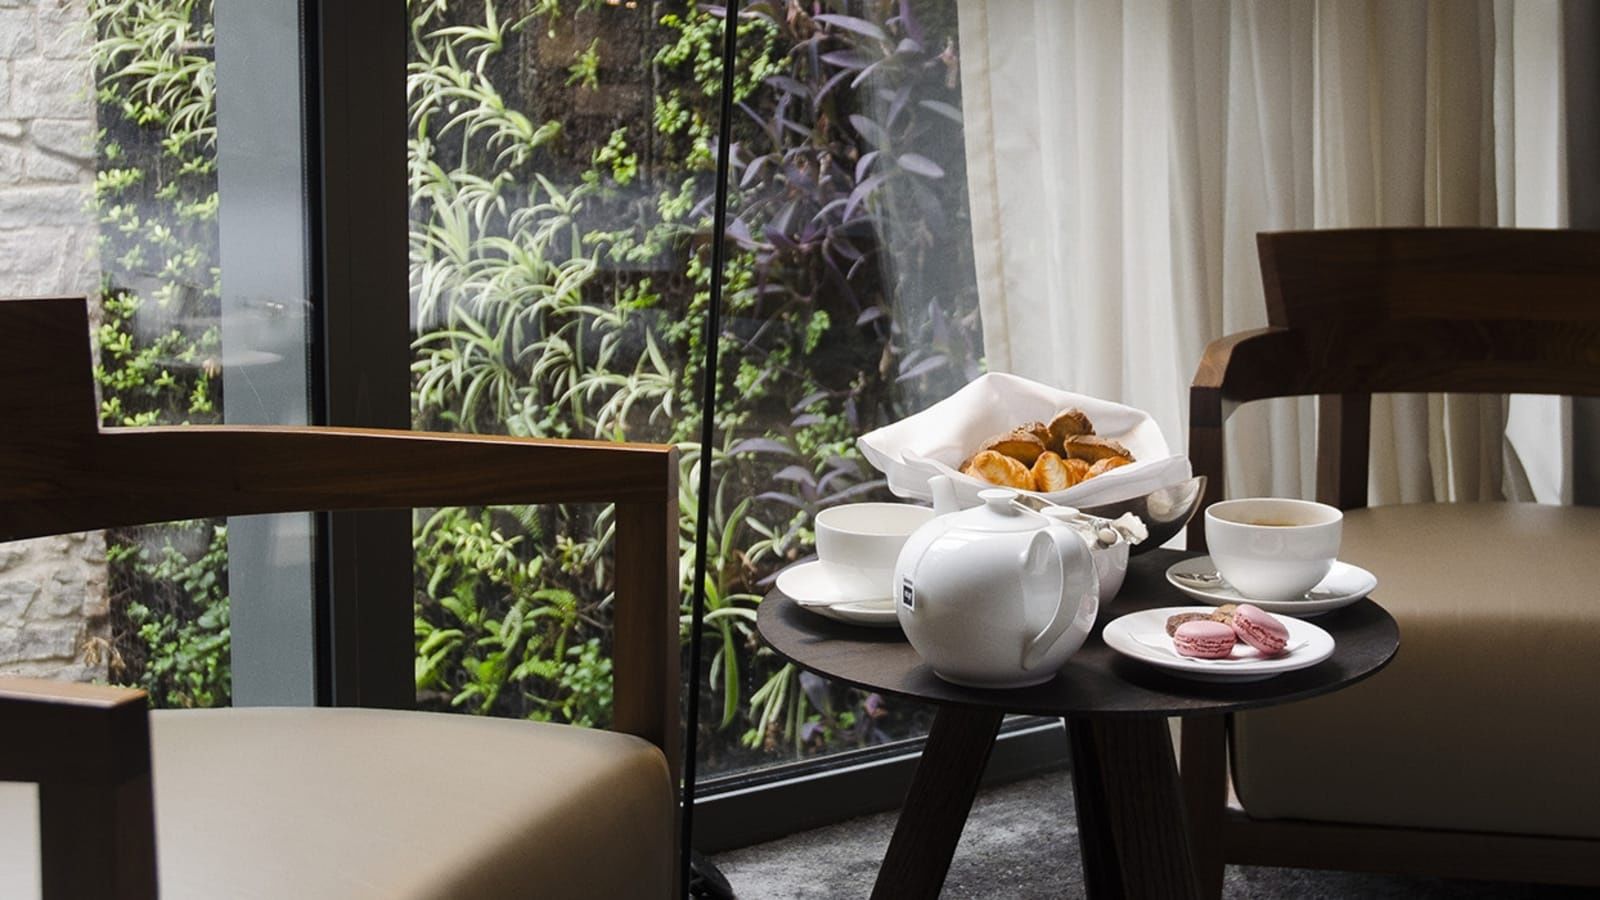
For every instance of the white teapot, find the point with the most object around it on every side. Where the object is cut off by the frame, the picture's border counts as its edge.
(995, 596)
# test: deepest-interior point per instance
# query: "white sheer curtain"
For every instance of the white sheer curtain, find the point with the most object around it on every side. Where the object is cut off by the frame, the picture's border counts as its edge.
(1122, 157)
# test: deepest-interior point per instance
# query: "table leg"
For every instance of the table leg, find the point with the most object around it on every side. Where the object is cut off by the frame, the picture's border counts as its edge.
(1204, 770)
(936, 807)
(1131, 822)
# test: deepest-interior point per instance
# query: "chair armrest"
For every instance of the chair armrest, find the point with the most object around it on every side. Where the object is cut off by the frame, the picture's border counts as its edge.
(1246, 365)
(63, 482)
(88, 748)
(61, 731)
(132, 476)
(1234, 363)
(249, 470)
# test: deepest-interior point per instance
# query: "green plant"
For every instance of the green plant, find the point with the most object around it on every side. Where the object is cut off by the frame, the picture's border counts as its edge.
(169, 590)
(585, 69)
(501, 636)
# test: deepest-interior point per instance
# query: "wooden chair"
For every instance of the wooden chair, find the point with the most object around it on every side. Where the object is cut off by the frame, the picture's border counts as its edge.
(328, 802)
(1476, 754)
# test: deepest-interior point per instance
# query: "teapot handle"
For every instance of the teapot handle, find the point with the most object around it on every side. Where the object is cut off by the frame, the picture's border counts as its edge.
(1073, 561)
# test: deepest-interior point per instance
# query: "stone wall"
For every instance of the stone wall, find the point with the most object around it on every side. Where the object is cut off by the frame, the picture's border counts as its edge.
(54, 618)
(54, 615)
(47, 125)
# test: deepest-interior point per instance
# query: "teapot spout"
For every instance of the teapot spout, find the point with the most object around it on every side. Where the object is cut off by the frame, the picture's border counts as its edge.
(944, 495)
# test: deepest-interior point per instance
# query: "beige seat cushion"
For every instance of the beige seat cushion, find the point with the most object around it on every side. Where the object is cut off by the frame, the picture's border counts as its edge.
(347, 803)
(1489, 717)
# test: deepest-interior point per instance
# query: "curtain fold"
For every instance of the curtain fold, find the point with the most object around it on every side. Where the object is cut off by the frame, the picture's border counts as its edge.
(1124, 155)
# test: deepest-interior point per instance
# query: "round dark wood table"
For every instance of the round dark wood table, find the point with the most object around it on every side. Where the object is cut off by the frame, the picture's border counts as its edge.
(1132, 825)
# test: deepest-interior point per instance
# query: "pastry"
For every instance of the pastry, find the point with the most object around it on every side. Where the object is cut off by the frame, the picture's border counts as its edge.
(1260, 629)
(1092, 448)
(1224, 613)
(1204, 639)
(1050, 473)
(1174, 621)
(1052, 457)
(1077, 470)
(1019, 445)
(1039, 430)
(998, 468)
(1105, 465)
(1067, 423)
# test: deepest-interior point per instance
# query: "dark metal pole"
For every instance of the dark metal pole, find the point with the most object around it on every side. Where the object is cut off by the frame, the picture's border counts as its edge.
(719, 222)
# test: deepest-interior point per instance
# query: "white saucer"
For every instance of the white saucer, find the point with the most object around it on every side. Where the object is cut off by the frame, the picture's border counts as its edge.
(818, 590)
(1344, 585)
(1143, 636)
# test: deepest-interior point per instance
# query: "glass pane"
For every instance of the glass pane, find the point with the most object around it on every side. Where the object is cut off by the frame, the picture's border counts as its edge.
(852, 303)
(561, 202)
(113, 194)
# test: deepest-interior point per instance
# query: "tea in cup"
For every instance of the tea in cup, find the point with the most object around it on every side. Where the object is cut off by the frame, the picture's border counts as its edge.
(1273, 548)
(858, 544)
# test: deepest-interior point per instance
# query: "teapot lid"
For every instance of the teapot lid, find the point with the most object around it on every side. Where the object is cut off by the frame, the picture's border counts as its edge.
(999, 512)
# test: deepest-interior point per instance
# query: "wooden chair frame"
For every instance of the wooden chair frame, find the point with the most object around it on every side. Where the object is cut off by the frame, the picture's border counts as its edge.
(88, 747)
(1357, 312)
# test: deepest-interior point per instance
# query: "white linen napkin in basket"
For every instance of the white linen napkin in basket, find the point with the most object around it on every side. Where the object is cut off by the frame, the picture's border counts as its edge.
(937, 440)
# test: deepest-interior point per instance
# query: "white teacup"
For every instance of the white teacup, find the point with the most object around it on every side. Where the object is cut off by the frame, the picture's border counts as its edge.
(1272, 548)
(859, 543)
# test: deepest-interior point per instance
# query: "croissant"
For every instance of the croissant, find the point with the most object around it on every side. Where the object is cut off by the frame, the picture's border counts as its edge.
(1050, 472)
(1077, 470)
(1105, 465)
(1094, 449)
(997, 468)
(1019, 445)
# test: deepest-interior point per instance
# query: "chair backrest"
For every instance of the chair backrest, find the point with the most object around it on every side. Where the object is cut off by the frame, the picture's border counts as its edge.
(47, 397)
(1386, 310)
(1314, 277)
(1469, 310)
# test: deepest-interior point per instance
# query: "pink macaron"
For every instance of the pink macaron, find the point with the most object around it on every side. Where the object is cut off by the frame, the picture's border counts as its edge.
(1204, 639)
(1260, 629)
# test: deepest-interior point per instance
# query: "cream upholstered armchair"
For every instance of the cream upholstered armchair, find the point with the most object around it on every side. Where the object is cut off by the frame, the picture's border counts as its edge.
(1474, 754)
(325, 803)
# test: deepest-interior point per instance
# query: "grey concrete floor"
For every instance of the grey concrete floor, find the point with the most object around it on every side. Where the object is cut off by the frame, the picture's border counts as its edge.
(1021, 841)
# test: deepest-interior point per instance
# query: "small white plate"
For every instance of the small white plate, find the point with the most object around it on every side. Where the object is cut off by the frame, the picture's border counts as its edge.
(817, 590)
(1344, 585)
(1143, 636)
